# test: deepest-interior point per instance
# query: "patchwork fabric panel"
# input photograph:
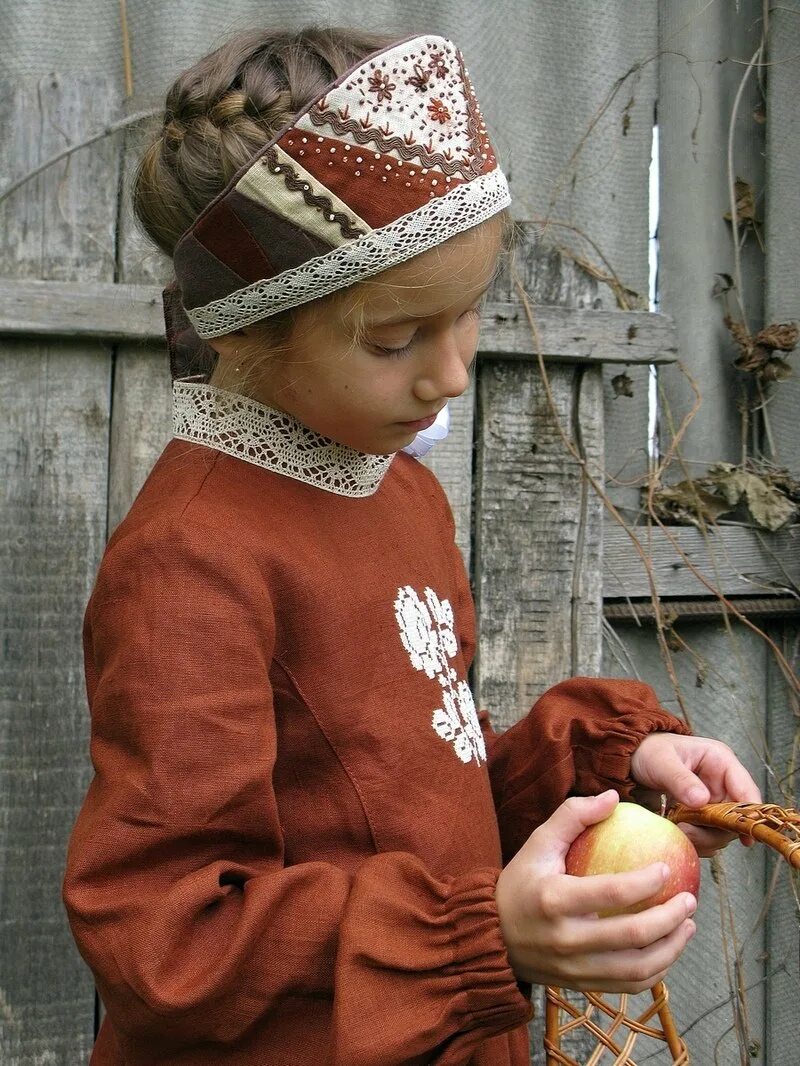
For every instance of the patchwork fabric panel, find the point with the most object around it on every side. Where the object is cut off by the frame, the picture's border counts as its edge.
(392, 136)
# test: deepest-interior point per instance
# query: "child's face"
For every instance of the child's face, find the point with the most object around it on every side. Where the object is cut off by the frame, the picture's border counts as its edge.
(359, 395)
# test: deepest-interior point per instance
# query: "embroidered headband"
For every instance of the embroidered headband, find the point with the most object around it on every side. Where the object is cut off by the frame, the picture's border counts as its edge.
(392, 160)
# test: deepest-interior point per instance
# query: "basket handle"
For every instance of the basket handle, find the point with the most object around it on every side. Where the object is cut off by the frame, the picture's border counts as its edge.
(778, 827)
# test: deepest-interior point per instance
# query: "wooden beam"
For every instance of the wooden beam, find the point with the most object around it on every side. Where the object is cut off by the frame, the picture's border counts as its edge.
(102, 310)
(133, 312)
(739, 560)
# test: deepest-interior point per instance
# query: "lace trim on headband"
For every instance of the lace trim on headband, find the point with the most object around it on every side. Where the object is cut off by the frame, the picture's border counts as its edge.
(443, 216)
(250, 430)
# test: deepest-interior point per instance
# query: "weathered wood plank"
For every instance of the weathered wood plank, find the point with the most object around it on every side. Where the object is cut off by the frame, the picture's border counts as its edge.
(53, 450)
(451, 462)
(537, 527)
(133, 312)
(142, 419)
(723, 683)
(782, 211)
(102, 310)
(698, 83)
(738, 560)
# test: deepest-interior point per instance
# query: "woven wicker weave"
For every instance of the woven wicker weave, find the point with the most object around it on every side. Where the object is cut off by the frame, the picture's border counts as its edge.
(614, 1029)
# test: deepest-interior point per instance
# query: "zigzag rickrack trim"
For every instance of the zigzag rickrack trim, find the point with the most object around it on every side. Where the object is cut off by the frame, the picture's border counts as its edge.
(369, 135)
(262, 435)
(323, 203)
(442, 217)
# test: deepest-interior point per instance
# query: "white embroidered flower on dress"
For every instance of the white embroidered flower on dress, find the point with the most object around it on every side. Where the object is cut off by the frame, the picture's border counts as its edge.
(427, 631)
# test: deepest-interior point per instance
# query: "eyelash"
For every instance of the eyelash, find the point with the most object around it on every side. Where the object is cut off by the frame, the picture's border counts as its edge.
(398, 353)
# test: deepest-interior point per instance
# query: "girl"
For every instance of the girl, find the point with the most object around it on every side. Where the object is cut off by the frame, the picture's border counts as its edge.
(302, 844)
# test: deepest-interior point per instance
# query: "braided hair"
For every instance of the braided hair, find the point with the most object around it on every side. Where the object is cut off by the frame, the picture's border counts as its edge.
(220, 111)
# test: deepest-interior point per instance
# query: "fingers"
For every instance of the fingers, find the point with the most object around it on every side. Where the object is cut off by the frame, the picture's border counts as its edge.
(548, 844)
(631, 969)
(573, 896)
(740, 786)
(706, 840)
(634, 930)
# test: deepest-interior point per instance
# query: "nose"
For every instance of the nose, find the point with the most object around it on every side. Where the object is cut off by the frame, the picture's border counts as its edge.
(444, 373)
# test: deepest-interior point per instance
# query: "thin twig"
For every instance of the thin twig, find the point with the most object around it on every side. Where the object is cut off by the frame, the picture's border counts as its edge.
(106, 131)
(126, 50)
(737, 259)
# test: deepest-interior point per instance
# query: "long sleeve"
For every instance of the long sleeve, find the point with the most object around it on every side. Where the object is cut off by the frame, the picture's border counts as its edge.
(175, 886)
(577, 739)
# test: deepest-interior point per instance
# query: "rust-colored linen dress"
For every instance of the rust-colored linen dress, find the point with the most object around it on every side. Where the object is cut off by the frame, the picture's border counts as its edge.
(289, 850)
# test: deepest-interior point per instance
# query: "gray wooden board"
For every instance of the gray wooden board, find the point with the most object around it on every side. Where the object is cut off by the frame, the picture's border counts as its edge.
(738, 560)
(783, 217)
(698, 82)
(728, 706)
(53, 442)
(142, 409)
(451, 462)
(529, 503)
(530, 512)
(783, 925)
(130, 312)
(537, 528)
(528, 519)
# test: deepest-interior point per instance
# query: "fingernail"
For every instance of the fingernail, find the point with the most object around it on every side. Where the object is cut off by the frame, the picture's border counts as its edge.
(692, 930)
(664, 871)
(695, 795)
(690, 903)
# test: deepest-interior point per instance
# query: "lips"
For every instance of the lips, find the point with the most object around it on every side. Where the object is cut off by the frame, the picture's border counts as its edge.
(420, 423)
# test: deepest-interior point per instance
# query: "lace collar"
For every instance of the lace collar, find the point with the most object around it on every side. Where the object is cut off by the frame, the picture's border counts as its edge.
(258, 434)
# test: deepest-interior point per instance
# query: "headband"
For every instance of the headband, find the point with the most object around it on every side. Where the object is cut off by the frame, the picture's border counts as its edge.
(392, 160)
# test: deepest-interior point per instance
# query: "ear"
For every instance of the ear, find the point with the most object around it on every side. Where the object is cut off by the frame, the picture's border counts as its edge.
(227, 346)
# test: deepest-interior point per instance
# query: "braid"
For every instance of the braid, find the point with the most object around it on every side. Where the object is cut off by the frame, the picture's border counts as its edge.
(219, 112)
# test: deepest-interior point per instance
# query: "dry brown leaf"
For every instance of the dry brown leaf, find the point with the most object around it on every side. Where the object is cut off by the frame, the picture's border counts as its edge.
(775, 369)
(745, 203)
(687, 502)
(757, 354)
(780, 335)
(768, 506)
(739, 332)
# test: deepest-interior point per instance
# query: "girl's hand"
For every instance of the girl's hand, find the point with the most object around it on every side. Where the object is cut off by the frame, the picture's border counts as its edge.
(549, 920)
(694, 771)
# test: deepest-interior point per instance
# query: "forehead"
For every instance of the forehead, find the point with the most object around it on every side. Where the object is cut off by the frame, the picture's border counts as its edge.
(430, 282)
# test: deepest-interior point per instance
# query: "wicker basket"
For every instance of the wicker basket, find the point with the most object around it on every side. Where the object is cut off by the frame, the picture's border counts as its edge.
(778, 828)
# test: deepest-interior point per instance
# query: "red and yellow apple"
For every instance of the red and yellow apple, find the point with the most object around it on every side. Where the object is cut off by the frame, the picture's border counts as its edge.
(630, 838)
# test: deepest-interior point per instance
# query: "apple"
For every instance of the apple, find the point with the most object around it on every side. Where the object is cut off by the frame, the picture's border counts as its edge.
(630, 838)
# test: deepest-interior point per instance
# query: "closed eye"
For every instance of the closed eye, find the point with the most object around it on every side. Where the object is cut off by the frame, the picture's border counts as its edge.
(398, 353)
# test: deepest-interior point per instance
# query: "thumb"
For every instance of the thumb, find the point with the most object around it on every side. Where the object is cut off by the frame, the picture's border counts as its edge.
(683, 785)
(549, 844)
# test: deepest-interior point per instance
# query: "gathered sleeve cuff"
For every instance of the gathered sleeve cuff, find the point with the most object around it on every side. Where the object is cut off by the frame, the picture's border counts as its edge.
(431, 961)
(577, 739)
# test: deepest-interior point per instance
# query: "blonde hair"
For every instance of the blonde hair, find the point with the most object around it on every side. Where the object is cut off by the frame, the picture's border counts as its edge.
(217, 115)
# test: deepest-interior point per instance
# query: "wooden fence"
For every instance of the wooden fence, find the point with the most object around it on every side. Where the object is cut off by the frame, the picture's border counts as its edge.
(571, 91)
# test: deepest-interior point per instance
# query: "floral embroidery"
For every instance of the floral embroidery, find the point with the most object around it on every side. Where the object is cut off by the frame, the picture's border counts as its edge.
(380, 84)
(427, 634)
(438, 111)
(419, 79)
(436, 64)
